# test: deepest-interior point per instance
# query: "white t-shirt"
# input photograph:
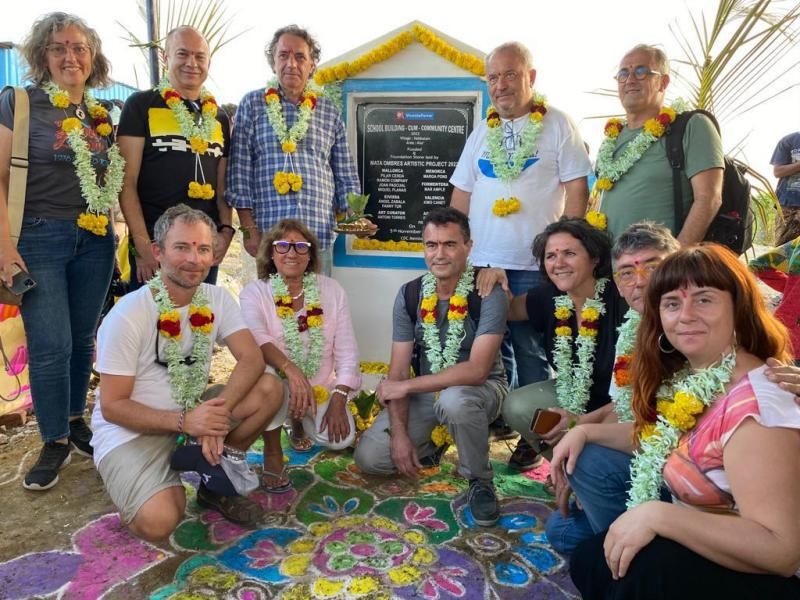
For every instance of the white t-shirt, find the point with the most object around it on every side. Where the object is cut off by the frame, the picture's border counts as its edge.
(126, 345)
(561, 156)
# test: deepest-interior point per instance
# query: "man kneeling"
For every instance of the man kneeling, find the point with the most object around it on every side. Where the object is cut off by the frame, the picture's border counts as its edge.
(454, 339)
(154, 353)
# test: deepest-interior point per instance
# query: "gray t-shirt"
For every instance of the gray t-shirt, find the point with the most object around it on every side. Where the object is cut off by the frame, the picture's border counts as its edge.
(494, 311)
(53, 190)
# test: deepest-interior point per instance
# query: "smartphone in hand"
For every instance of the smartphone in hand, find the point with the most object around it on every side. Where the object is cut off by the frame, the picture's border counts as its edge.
(21, 282)
(544, 420)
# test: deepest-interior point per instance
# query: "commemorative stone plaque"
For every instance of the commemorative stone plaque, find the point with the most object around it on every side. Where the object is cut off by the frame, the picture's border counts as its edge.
(406, 155)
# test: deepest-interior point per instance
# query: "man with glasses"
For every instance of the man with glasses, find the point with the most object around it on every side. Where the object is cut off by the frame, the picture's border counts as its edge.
(154, 354)
(645, 188)
(521, 169)
(289, 154)
(175, 152)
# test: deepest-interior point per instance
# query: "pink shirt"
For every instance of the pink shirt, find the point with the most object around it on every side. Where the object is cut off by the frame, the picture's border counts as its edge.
(339, 362)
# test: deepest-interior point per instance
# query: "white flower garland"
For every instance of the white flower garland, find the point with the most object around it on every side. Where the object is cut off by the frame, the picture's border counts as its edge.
(189, 127)
(99, 200)
(439, 358)
(573, 380)
(507, 168)
(188, 382)
(309, 364)
(624, 348)
(647, 466)
(276, 119)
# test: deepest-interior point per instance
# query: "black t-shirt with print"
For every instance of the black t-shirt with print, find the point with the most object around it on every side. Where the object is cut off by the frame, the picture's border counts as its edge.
(542, 319)
(53, 190)
(168, 163)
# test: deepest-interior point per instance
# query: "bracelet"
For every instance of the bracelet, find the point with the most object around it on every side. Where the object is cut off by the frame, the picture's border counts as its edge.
(284, 365)
(224, 226)
(181, 417)
(338, 391)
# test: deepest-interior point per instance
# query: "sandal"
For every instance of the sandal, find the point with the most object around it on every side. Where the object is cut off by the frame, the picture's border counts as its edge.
(283, 485)
(236, 509)
(301, 443)
(525, 457)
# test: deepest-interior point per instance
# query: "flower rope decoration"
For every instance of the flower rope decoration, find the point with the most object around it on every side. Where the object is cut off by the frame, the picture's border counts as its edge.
(507, 166)
(622, 366)
(439, 358)
(288, 180)
(440, 436)
(573, 379)
(693, 393)
(99, 200)
(610, 169)
(188, 381)
(309, 364)
(198, 135)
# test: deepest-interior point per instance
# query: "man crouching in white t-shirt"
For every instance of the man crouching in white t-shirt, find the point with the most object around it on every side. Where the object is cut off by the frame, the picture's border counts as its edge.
(154, 352)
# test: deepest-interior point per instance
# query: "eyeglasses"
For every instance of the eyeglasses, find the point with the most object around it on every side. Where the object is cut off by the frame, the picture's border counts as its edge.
(77, 50)
(509, 76)
(188, 360)
(639, 73)
(627, 276)
(283, 247)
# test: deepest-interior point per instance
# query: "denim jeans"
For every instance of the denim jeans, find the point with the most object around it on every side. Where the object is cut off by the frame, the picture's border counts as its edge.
(135, 284)
(522, 350)
(600, 481)
(72, 268)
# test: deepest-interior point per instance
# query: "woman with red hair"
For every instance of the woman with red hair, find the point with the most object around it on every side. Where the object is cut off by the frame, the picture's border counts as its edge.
(723, 439)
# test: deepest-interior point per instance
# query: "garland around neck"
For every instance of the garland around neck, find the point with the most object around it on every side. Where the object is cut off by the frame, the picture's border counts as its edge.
(188, 381)
(442, 358)
(622, 366)
(287, 180)
(693, 393)
(99, 200)
(574, 379)
(309, 361)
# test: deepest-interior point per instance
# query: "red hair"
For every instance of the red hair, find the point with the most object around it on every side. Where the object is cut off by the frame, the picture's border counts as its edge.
(706, 265)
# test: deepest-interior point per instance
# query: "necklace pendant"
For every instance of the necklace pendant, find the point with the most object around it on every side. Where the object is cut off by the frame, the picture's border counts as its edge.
(300, 295)
(79, 113)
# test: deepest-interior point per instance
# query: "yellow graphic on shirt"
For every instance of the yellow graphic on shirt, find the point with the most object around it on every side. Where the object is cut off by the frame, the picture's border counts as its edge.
(166, 133)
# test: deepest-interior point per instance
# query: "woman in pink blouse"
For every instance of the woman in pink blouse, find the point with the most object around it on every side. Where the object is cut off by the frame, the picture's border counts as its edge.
(301, 321)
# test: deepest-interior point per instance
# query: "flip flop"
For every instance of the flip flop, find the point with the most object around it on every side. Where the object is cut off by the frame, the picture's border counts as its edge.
(279, 488)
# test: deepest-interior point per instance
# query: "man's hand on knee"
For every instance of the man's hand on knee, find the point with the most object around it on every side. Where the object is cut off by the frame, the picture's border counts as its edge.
(210, 418)
(404, 456)
(212, 448)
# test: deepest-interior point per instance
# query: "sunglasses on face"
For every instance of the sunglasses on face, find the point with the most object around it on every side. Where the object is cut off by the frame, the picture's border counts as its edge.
(639, 73)
(283, 247)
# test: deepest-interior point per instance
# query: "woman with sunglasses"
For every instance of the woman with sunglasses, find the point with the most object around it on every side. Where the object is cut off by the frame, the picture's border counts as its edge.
(301, 321)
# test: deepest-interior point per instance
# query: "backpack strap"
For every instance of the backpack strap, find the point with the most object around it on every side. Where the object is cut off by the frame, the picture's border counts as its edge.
(18, 173)
(674, 140)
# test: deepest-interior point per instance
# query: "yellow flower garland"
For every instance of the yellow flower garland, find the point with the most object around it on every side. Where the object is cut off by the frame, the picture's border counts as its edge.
(423, 35)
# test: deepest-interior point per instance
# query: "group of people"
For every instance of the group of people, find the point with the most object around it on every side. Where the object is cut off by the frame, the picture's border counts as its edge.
(673, 431)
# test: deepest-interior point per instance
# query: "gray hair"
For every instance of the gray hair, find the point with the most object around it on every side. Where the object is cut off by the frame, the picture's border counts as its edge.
(34, 49)
(656, 54)
(644, 235)
(297, 31)
(184, 214)
(517, 48)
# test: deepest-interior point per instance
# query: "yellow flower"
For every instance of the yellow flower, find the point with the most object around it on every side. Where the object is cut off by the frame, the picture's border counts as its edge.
(648, 431)
(688, 402)
(562, 313)
(210, 108)
(492, 123)
(589, 314)
(666, 110)
(206, 191)
(61, 100)
(172, 101)
(104, 129)
(597, 220)
(613, 127)
(563, 331)
(295, 181)
(272, 98)
(535, 116)
(288, 146)
(295, 565)
(353, 408)
(423, 556)
(604, 184)
(363, 585)
(96, 111)
(284, 312)
(198, 145)
(97, 224)
(458, 300)
(588, 332)
(314, 321)
(321, 394)
(441, 436)
(429, 303)
(654, 127)
(70, 124)
(327, 588)
(404, 575)
(681, 420)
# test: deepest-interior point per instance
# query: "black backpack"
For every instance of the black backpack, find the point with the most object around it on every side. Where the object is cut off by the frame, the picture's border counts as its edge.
(733, 224)
(411, 296)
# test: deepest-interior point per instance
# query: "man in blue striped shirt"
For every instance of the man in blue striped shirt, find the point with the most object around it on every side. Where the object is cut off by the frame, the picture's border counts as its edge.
(282, 132)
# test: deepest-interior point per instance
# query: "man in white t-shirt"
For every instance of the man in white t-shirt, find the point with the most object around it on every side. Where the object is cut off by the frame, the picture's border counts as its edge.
(154, 353)
(505, 159)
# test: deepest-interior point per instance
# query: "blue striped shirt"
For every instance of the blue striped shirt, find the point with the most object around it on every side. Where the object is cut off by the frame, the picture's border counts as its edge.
(322, 159)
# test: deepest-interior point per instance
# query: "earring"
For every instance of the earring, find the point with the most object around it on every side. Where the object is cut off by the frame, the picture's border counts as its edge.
(661, 339)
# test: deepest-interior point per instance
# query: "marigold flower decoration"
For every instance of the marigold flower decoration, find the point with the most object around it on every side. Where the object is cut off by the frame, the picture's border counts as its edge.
(286, 180)
(506, 206)
(562, 315)
(440, 436)
(97, 224)
(321, 394)
(169, 324)
(428, 309)
(597, 220)
(283, 306)
(622, 371)
(589, 322)
(457, 310)
(201, 318)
